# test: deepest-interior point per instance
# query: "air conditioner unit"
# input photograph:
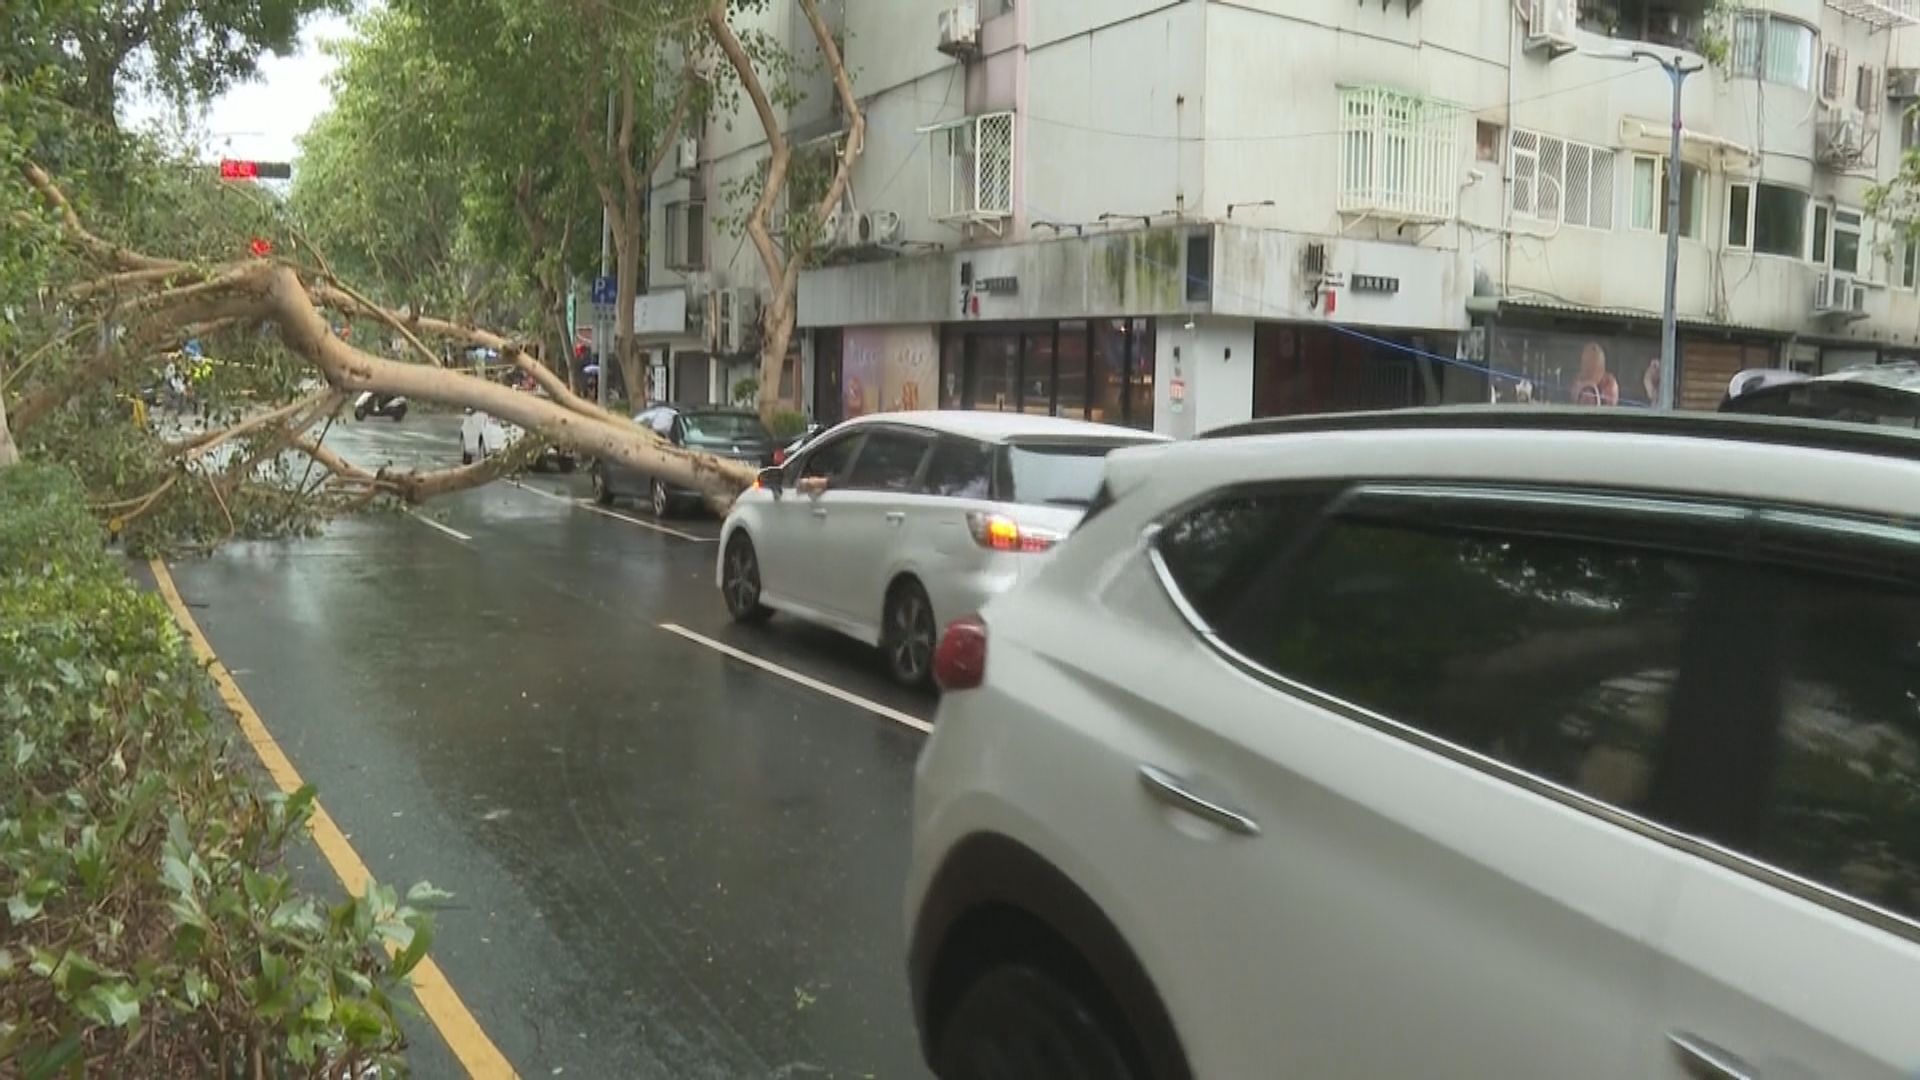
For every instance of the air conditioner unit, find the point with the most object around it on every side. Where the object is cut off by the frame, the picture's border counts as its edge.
(877, 227)
(1837, 294)
(1903, 84)
(960, 30)
(1839, 138)
(687, 161)
(736, 321)
(1550, 26)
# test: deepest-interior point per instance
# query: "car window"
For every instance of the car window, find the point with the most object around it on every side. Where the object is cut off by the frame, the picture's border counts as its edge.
(889, 462)
(1055, 473)
(960, 469)
(1551, 650)
(724, 427)
(828, 459)
(1839, 787)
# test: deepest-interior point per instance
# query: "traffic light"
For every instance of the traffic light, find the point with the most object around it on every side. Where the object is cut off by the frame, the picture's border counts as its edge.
(235, 169)
(260, 247)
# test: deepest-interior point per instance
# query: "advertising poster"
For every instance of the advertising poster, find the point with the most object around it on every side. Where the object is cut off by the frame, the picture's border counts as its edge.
(889, 369)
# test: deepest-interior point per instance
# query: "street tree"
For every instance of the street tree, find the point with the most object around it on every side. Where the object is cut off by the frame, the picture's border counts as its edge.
(763, 83)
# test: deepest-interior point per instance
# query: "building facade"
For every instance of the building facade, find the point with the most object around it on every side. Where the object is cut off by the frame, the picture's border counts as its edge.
(1177, 214)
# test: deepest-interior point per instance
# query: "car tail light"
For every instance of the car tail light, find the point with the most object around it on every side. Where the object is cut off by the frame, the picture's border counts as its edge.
(780, 456)
(1002, 533)
(960, 661)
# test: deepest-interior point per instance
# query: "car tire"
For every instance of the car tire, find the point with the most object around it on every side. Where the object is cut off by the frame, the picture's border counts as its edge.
(1017, 1021)
(908, 634)
(602, 493)
(660, 498)
(399, 414)
(740, 581)
(359, 412)
(466, 456)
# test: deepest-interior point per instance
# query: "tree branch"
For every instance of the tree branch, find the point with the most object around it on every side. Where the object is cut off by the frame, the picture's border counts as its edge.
(205, 443)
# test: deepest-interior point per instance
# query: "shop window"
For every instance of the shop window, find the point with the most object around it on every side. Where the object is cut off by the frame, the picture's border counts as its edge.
(1740, 216)
(1650, 196)
(994, 378)
(1140, 376)
(953, 362)
(1036, 373)
(1108, 374)
(1070, 380)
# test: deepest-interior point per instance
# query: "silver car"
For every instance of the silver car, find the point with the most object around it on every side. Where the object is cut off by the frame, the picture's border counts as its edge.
(889, 526)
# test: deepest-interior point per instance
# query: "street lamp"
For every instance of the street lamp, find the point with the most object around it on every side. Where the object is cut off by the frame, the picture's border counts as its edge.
(1677, 72)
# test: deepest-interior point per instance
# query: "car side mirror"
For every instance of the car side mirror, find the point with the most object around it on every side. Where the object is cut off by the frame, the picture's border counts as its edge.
(769, 479)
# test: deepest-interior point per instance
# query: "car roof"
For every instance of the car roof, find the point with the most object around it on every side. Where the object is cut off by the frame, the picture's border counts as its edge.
(1000, 427)
(1852, 466)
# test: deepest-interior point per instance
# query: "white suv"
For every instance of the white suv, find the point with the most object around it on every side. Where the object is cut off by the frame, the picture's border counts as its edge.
(1464, 744)
(890, 525)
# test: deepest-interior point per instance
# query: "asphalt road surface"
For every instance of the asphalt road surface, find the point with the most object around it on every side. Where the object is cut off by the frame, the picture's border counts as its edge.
(666, 861)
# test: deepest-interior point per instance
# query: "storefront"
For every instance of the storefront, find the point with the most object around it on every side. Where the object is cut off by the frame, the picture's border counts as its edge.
(1085, 369)
(1304, 368)
(1577, 357)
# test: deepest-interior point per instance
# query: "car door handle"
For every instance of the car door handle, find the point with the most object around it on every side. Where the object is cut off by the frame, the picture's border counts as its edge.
(1172, 790)
(1705, 1061)
(895, 517)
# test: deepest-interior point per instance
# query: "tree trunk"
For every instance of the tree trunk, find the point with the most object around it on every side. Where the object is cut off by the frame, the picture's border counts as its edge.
(9, 453)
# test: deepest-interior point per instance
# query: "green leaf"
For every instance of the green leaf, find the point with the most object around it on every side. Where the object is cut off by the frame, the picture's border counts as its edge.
(42, 1066)
(409, 958)
(21, 910)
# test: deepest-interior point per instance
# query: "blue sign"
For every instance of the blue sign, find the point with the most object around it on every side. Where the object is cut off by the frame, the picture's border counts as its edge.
(605, 290)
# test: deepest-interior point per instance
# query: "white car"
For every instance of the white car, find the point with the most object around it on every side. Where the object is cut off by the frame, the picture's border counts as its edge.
(889, 525)
(1441, 744)
(482, 436)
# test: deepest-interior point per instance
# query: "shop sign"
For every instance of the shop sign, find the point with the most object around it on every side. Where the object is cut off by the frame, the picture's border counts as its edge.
(1177, 392)
(998, 286)
(1374, 283)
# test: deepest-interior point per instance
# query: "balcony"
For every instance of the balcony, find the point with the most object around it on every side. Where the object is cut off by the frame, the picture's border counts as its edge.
(1676, 24)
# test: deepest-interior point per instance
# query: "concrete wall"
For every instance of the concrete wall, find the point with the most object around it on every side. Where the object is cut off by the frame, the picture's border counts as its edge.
(1215, 360)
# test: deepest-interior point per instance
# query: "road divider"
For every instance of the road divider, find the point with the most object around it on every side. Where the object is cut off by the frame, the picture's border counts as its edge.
(583, 504)
(463, 1034)
(884, 712)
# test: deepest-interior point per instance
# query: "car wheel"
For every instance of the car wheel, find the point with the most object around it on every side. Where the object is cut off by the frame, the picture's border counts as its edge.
(602, 494)
(909, 634)
(1017, 1022)
(359, 412)
(466, 456)
(740, 580)
(661, 499)
(399, 414)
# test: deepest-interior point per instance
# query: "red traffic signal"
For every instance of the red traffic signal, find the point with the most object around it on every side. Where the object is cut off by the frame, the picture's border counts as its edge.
(260, 247)
(236, 169)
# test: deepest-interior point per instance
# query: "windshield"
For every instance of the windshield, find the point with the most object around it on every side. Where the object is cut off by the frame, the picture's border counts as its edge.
(724, 427)
(1057, 474)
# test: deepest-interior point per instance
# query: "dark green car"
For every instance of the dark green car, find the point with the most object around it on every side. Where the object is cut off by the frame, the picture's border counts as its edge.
(730, 433)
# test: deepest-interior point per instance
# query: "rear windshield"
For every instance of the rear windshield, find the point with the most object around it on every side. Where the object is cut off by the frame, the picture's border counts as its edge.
(1056, 474)
(733, 427)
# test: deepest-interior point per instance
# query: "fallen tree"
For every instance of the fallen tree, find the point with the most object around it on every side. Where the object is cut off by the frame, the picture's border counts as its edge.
(146, 304)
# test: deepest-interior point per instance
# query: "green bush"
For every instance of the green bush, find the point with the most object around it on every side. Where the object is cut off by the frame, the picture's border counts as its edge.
(148, 928)
(788, 423)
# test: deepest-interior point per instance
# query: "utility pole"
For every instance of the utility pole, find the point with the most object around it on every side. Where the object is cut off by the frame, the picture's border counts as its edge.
(1677, 73)
(1669, 329)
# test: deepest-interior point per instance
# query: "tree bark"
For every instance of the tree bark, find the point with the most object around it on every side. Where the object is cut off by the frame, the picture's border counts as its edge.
(779, 316)
(9, 453)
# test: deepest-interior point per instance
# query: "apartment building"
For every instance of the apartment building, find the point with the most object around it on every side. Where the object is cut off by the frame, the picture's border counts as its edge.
(1177, 214)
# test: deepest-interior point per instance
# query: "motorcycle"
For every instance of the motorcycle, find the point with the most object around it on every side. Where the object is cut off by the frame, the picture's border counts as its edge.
(372, 404)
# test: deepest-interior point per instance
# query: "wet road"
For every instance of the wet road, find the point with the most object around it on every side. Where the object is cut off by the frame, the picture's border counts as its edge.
(666, 862)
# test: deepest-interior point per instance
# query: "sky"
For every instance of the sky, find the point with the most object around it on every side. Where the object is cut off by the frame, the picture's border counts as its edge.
(262, 119)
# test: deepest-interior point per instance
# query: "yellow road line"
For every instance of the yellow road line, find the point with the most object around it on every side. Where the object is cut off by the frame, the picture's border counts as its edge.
(443, 1006)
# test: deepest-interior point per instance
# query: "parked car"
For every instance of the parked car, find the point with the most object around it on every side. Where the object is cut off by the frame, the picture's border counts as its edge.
(1883, 394)
(889, 524)
(392, 406)
(482, 436)
(737, 434)
(798, 443)
(1575, 743)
